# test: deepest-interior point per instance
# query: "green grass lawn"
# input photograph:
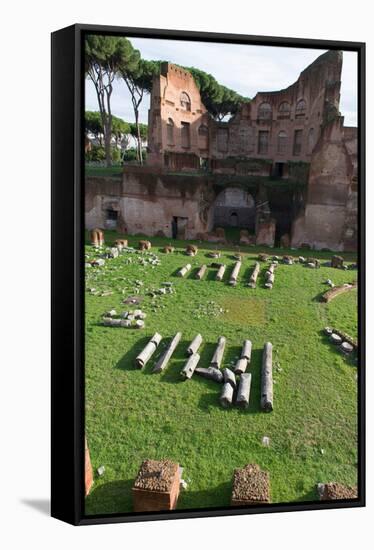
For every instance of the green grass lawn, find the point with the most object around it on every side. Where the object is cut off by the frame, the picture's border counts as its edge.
(132, 414)
(101, 171)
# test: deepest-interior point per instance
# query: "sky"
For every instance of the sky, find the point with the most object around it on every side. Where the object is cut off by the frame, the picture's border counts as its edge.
(243, 68)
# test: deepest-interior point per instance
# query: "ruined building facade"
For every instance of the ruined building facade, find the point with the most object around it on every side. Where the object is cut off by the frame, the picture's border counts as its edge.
(284, 167)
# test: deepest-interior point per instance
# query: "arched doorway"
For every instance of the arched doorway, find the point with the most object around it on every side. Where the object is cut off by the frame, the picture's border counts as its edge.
(235, 207)
(234, 219)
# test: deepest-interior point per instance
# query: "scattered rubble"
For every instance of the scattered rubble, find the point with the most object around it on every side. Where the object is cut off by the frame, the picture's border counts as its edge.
(336, 491)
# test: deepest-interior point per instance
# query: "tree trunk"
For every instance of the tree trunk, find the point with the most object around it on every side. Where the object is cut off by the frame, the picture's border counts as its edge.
(226, 395)
(107, 139)
(253, 277)
(195, 344)
(140, 152)
(190, 366)
(143, 357)
(218, 354)
(267, 378)
(244, 390)
(164, 359)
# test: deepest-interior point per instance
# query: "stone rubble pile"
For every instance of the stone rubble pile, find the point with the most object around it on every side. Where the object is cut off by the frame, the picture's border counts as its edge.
(345, 343)
(251, 485)
(127, 319)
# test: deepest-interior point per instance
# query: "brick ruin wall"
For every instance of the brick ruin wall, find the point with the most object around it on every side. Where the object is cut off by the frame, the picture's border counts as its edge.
(297, 127)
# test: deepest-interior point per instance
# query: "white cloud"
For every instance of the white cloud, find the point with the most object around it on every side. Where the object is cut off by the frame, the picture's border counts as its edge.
(244, 68)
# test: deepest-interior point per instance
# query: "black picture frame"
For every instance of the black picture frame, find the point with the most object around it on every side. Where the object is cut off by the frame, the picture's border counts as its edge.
(67, 384)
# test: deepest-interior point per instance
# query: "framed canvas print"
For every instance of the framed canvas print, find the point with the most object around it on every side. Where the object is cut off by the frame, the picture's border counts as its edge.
(207, 274)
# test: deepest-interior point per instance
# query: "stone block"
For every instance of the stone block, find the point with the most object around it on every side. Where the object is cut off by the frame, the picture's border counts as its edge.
(156, 486)
(250, 486)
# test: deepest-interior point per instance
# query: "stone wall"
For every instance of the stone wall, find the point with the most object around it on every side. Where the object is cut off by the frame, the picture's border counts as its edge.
(284, 164)
(234, 207)
(151, 203)
(267, 126)
(330, 217)
(279, 126)
(177, 117)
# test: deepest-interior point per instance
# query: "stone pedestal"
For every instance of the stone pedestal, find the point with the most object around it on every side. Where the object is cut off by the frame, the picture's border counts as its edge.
(250, 486)
(336, 491)
(156, 486)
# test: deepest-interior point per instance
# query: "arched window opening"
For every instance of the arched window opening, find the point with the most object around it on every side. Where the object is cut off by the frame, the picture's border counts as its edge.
(185, 101)
(284, 110)
(265, 111)
(300, 108)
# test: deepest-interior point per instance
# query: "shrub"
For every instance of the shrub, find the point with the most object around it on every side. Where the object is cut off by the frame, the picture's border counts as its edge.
(130, 155)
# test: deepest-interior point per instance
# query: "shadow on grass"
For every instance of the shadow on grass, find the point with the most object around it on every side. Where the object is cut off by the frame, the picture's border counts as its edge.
(110, 498)
(127, 361)
(176, 271)
(311, 495)
(116, 497)
(171, 374)
(319, 297)
(218, 496)
(192, 274)
(211, 274)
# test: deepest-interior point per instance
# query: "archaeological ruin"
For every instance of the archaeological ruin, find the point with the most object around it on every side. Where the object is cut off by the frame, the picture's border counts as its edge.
(284, 167)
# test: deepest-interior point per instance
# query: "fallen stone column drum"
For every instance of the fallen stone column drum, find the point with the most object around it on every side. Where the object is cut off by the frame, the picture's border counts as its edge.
(253, 278)
(200, 274)
(190, 366)
(244, 390)
(220, 273)
(246, 350)
(229, 376)
(195, 344)
(211, 373)
(234, 274)
(182, 272)
(226, 394)
(143, 357)
(218, 354)
(165, 358)
(267, 378)
(241, 365)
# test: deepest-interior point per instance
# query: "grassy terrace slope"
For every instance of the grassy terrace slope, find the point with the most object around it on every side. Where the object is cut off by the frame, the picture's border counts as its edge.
(132, 415)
